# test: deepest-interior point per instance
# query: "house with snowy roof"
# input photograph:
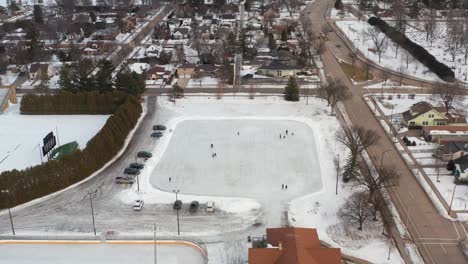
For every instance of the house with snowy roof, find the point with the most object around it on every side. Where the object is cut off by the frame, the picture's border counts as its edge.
(276, 69)
(461, 168)
(424, 114)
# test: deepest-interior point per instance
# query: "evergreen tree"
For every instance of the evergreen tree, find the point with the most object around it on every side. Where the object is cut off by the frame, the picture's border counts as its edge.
(92, 15)
(177, 91)
(339, 5)
(284, 35)
(243, 43)
(271, 42)
(38, 15)
(85, 80)
(130, 81)
(67, 78)
(104, 81)
(291, 92)
(33, 43)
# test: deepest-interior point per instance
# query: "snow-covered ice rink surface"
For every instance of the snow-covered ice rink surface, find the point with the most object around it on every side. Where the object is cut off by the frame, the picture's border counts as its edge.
(253, 164)
(98, 253)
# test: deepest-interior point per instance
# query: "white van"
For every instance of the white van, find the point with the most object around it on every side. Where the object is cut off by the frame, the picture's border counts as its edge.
(210, 206)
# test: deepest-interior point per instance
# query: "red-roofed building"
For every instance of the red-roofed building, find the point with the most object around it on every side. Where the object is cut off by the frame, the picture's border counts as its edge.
(293, 246)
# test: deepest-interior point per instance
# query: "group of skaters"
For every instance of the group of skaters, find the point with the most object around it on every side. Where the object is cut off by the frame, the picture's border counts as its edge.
(213, 154)
(284, 186)
(284, 136)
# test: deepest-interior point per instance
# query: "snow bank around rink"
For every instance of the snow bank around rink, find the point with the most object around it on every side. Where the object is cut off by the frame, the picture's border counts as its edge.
(206, 108)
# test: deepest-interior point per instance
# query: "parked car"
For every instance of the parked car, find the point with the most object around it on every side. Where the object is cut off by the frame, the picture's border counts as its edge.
(137, 166)
(159, 127)
(131, 171)
(138, 205)
(144, 154)
(177, 205)
(210, 206)
(194, 206)
(124, 180)
(248, 76)
(157, 134)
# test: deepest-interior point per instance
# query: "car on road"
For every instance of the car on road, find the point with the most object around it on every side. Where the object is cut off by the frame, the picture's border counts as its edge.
(144, 154)
(137, 166)
(157, 134)
(248, 76)
(210, 206)
(194, 206)
(159, 127)
(131, 171)
(124, 180)
(138, 205)
(177, 205)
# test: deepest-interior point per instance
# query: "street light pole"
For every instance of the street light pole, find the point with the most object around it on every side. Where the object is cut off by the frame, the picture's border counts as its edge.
(9, 211)
(381, 159)
(138, 183)
(155, 252)
(177, 212)
(92, 213)
(451, 200)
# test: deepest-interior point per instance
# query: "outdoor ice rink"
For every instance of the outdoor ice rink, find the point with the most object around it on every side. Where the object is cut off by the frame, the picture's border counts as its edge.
(253, 164)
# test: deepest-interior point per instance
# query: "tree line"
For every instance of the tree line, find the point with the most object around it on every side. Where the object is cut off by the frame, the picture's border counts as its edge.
(67, 103)
(78, 76)
(55, 175)
(417, 51)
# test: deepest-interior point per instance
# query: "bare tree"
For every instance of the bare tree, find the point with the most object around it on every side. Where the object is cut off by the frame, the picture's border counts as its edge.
(386, 177)
(399, 13)
(379, 203)
(378, 39)
(333, 92)
(356, 140)
(430, 24)
(448, 93)
(464, 40)
(356, 209)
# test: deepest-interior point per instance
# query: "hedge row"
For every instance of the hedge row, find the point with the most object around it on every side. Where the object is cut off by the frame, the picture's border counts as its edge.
(55, 175)
(420, 53)
(67, 103)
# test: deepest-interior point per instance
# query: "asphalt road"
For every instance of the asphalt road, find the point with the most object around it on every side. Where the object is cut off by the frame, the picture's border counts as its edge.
(436, 237)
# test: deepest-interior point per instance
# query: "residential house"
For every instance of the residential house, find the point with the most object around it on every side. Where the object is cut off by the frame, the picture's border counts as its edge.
(444, 134)
(139, 67)
(129, 24)
(424, 114)
(158, 73)
(154, 51)
(36, 69)
(276, 69)
(205, 70)
(94, 48)
(254, 22)
(453, 150)
(106, 34)
(292, 245)
(180, 33)
(461, 168)
(207, 19)
(186, 70)
(191, 55)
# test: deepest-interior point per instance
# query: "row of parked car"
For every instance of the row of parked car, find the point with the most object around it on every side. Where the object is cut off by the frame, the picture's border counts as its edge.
(193, 206)
(159, 131)
(133, 169)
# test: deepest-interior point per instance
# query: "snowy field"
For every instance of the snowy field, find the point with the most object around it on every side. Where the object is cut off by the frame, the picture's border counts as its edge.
(446, 188)
(98, 253)
(358, 34)
(439, 47)
(20, 134)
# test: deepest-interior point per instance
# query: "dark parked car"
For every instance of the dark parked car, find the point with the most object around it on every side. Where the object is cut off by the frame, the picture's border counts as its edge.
(132, 171)
(137, 166)
(248, 76)
(144, 154)
(177, 205)
(157, 134)
(159, 127)
(194, 206)
(125, 180)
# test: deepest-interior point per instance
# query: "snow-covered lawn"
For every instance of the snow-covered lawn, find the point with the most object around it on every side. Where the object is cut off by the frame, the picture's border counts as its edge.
(358, 34)
(446, 186)
(439, 47)
(21, 134)
(204, 82)
(98, 253)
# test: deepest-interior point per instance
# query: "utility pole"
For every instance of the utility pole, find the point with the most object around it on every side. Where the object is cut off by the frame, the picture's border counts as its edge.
(337, 165)
(92, 195)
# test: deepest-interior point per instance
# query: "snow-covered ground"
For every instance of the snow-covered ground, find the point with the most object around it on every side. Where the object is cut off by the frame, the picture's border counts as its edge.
(204, 82)
(446, 187)
(254, 164)
(98, 253)
(439, 47)
(21, 134)
(358, 34)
